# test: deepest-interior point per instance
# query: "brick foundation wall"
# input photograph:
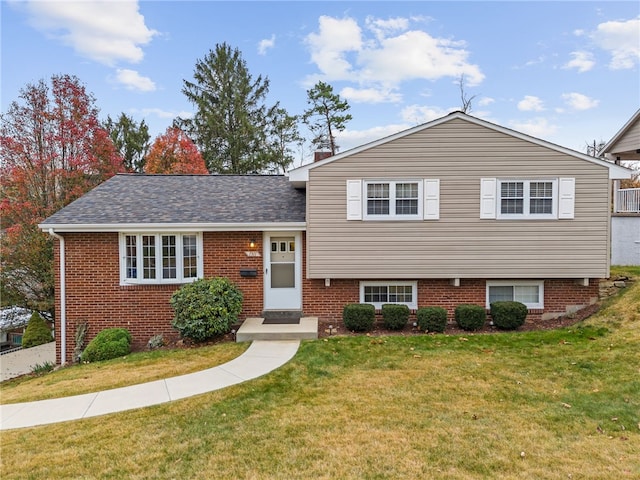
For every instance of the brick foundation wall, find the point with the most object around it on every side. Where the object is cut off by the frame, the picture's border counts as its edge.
(95, 296)
(561, 296)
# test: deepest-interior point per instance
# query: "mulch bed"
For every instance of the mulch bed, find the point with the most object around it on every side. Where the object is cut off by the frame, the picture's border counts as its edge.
(453, 329)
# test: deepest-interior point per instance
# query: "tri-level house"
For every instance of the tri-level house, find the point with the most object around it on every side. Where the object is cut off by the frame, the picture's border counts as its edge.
(458, 210)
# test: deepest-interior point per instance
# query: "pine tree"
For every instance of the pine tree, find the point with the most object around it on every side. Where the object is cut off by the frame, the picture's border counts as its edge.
(229, 126)
(130, 139)
(326, 116)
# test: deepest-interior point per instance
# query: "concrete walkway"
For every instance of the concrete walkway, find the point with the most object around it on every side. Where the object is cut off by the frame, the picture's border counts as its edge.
(259, 359)
(21, 362)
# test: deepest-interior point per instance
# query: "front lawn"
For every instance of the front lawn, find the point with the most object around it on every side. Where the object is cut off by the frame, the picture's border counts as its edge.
(556, 404)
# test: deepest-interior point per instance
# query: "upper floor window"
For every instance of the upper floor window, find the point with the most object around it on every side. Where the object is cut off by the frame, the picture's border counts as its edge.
(393, 199)
(523, 199)
(527, 198)
(160, 257)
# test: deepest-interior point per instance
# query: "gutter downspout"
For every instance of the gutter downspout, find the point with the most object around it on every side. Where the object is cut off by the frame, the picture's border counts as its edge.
(63, 300)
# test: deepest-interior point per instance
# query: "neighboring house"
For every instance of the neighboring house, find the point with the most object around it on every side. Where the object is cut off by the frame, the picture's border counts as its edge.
(625, 221)
(458, 210)
(13, 322)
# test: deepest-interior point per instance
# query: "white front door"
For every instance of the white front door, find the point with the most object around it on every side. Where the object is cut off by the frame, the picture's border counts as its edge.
(282, 271)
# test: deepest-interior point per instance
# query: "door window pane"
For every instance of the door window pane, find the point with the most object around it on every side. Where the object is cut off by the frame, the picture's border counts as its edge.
(283, 275)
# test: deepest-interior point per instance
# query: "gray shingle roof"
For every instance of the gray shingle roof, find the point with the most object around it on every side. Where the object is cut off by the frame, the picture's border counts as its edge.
(166, 199)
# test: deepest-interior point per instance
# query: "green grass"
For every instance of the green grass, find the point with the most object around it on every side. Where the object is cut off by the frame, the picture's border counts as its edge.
(535, 405)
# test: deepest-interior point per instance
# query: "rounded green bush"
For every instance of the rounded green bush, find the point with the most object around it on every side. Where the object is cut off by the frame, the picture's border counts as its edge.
(432, 319)
(394, 316)
(37, 332)
(109, 343)
(206, 308)
(359, 317)
(508, 315)
(470, 317)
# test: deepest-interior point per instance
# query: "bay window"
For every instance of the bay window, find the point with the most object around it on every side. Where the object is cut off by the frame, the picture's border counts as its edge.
(160, 257)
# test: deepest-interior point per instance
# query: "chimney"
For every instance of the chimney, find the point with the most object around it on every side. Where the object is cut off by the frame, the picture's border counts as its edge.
(317, 156)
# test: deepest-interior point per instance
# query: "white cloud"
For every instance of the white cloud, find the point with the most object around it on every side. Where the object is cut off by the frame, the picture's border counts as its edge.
(160, 113)
(578, 101)
(382, 28)
(331, 44)
(537, 127)
(132, 80)
(530, 103)
(582, 61)
(418, 114)
(104, 31)
(349, 139)
(392, 54)
(370, 95)
(266, 44)
(622, 40)
(485, 101)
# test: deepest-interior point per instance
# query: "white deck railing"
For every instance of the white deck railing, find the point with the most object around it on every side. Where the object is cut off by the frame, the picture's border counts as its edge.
(628, 200)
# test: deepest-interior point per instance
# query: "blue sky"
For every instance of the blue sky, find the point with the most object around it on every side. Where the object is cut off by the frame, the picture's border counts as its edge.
(566, 72)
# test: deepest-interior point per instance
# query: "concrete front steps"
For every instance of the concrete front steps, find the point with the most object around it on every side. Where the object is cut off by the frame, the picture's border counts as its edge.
(254, 329)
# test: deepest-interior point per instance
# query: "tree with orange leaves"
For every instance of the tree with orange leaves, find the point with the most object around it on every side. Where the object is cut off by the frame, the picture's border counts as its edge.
(174, 152)
(52, 150)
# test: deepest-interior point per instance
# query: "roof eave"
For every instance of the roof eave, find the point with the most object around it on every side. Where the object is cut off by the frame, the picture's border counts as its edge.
(301, 174)
(607, 148)
(172, 227)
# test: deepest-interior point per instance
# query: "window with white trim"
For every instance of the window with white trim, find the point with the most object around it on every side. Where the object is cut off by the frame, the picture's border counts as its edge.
(407, 199)
(527, 199)
(527, 292)
(160, 257)
(393, 200)
(379, 293)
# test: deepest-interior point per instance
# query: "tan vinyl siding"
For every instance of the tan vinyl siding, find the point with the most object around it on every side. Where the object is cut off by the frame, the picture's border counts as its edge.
(629, 142)
(459, 244)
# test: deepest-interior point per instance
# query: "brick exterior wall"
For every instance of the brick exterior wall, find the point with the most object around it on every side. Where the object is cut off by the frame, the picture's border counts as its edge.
(94, 294)
(560, 296)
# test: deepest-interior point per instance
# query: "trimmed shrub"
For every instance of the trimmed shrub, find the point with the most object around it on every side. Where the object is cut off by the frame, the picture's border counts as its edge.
(470, 317)
(37, 332)
(109, 343)
(359, 317)
(206, 308)
(508, 315)
(432, 319)
(394, 316)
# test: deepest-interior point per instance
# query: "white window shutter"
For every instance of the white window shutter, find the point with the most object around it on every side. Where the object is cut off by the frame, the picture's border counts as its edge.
(488, 197)
(566, 197)
(354, 199)
(431, 199)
